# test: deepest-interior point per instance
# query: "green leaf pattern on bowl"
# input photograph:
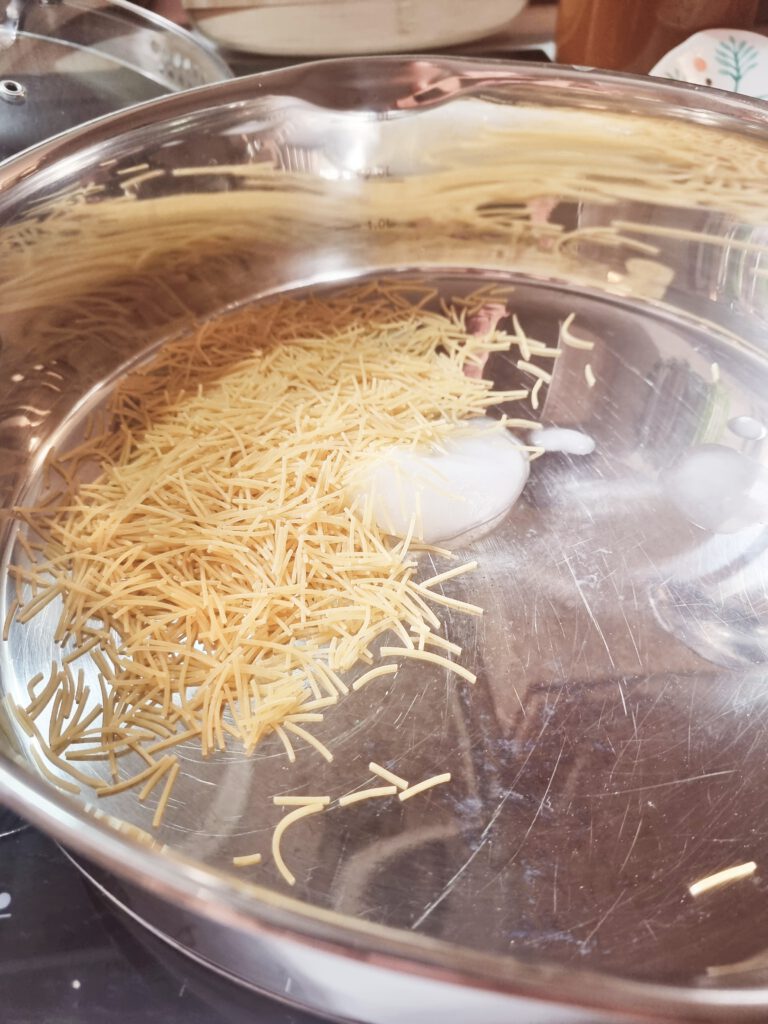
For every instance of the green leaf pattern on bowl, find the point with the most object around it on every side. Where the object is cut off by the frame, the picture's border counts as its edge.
(736, 58)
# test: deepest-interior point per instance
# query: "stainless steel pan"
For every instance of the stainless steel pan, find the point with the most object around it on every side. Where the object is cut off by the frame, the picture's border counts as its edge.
(612, 753)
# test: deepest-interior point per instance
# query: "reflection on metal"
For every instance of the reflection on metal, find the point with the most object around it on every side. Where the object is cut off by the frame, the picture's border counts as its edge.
(747, 428)
(9, 823)
(720, 878)
(686, 406)
(613, 746)
(718, 489)
(12, 91)
(73, 60)
(713, 598)
(9, 27)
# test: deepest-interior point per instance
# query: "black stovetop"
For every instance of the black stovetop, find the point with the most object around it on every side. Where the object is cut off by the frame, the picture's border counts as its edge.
(68, 957)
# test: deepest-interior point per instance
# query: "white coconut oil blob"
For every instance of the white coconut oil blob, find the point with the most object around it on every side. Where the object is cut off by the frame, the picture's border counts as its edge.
(748, 428)
(562, 439)
(718, 488)
(468, 484)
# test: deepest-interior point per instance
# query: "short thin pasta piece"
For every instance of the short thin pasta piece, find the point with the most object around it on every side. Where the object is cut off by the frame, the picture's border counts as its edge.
(296, 800)
(277, 835)
(374, 673)
(247, 860)
(387, 775)
(435, 659)
(366, 794)
(420, 787)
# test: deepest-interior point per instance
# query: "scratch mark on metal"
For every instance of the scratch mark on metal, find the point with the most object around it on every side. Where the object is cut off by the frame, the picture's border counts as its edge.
(603, 919)
(656, 701)
(624, 819)
(554, 890)
(457, 875)
(589, 611)
(631, 634)
(663, 785)
(541, 802)
(204, 782)
(512, 788)
(522, 706)
(632, 845)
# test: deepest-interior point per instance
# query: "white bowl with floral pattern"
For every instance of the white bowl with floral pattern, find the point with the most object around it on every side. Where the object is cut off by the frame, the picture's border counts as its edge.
(724, 58)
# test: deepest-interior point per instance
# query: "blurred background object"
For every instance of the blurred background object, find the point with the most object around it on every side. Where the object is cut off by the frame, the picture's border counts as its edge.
(66, 62)
(342, 27)
(631, 35)
(724, 58)
(512, 30)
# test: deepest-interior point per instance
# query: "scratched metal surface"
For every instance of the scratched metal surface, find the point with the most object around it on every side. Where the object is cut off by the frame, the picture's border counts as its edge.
(600, 764)
(611, 752)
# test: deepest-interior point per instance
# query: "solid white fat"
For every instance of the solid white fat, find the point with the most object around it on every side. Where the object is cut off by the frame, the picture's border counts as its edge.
(562, 439)
(469, 484)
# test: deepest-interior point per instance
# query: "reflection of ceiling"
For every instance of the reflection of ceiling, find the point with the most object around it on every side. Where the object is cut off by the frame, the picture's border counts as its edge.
(681, 411)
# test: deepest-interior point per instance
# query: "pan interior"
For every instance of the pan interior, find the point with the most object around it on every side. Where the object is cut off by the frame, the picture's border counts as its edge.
(609, 756)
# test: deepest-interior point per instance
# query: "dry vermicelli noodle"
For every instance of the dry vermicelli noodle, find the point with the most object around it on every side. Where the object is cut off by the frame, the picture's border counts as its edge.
(205, 550)
(213, 569)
